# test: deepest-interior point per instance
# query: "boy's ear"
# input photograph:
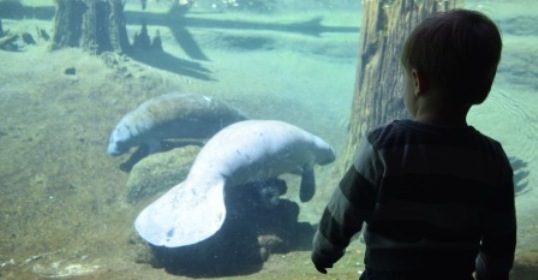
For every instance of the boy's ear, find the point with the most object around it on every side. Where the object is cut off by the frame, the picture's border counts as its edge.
(420, 82)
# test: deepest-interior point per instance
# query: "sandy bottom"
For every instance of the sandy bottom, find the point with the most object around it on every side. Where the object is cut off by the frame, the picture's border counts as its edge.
(63, 212)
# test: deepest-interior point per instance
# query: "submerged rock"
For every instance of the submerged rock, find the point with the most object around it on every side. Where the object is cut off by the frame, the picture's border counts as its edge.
(159, 172)
(70, 71)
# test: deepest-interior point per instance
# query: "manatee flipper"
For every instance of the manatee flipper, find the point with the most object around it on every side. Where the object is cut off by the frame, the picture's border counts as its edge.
(183, 216)
(308, 184)
(140, 153)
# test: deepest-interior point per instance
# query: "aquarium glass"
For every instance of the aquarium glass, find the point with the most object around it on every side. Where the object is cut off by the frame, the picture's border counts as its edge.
(92, 93)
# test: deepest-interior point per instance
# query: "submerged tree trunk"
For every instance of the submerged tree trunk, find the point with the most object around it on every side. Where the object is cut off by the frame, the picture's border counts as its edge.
(93, 25)
(379, 83)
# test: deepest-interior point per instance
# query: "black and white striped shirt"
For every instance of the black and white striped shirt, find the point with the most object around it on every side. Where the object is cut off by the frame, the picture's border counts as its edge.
(432, 198)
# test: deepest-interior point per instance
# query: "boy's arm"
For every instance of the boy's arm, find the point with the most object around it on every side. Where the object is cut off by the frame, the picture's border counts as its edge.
(350, 205)
(496, 254)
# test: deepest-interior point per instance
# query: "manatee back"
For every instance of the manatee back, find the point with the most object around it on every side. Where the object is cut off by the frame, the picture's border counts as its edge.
(256, 150)
(172, 115)
(185, 115)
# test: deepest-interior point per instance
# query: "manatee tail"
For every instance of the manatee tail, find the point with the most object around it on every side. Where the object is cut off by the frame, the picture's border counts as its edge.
(182, 216)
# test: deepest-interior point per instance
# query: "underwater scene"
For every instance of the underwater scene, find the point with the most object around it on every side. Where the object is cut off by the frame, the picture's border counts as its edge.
(110, 133)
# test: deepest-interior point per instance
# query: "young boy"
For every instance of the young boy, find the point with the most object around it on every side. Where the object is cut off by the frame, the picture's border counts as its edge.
(436, 195)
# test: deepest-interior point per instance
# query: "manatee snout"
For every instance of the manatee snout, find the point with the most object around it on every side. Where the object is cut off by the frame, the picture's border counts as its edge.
(327, 155)
(113, 151)
(116, 147)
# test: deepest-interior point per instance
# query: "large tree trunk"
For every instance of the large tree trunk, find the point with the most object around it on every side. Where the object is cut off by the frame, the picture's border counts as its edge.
(379, 83)
(93, 25)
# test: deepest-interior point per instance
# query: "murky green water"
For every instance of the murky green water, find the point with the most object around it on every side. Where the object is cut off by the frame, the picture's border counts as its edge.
(64, 211)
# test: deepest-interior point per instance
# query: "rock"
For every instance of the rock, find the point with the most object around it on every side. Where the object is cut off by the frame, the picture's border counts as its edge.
(159, 172)
(269, 243)
(70, 71)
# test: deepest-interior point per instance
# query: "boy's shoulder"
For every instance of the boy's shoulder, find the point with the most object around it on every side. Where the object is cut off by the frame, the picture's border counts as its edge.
(392, 130)
(402, 132)
(388, 134)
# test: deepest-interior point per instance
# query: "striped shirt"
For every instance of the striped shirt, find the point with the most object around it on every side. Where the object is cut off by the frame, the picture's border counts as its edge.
(432, 198)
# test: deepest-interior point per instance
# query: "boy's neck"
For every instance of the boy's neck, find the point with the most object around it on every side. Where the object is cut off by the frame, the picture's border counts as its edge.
(443, 116)
(433, 120)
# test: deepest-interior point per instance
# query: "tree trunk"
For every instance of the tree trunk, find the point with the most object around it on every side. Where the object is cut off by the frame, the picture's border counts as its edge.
(93, 25)
(1, 29)
(379, 83)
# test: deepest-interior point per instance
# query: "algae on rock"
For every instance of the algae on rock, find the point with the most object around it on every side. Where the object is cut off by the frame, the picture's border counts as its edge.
(159, 172)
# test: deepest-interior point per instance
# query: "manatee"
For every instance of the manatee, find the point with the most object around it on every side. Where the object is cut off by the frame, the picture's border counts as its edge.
(256, 195)
(268, 192)
(241, 153)
(172, 115)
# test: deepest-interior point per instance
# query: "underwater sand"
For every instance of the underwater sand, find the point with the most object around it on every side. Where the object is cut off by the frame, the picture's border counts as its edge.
(63, 212)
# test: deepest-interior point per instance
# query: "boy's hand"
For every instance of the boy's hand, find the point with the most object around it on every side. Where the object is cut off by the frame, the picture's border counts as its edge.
(322, 267)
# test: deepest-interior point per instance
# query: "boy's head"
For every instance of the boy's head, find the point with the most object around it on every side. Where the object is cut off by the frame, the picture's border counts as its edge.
(457, 53)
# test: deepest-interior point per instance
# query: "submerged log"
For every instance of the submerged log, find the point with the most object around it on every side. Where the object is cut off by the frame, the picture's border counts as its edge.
(7, 40)
(95, 26)
(380, 81)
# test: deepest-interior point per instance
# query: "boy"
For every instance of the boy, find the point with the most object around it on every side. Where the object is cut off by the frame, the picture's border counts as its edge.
(436, 195)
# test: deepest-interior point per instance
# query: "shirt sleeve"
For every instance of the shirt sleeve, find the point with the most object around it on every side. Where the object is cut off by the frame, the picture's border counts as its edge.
(498, 244)
(350, 205)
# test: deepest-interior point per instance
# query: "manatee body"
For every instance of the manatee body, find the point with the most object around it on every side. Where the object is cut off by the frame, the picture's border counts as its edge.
(242, 153)
(173, 115)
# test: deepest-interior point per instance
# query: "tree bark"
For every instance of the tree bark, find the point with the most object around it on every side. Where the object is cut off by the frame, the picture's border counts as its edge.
(93, 25)
(379, 82)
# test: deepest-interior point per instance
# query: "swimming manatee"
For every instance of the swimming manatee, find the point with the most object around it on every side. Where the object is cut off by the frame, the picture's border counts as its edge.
(244, 152)
(173, 115)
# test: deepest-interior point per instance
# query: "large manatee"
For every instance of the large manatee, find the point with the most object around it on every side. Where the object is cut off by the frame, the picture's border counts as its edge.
(173, 115)
(244, 152)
